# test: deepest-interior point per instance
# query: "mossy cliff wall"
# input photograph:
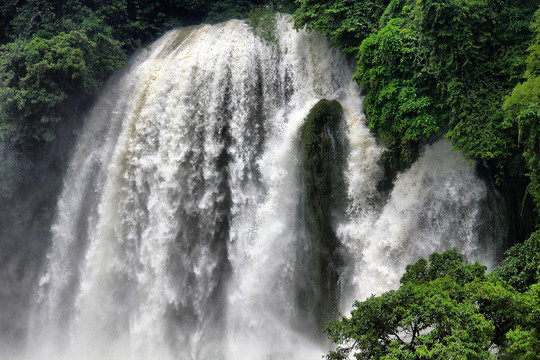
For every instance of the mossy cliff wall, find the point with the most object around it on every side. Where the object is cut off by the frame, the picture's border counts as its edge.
(323, 155)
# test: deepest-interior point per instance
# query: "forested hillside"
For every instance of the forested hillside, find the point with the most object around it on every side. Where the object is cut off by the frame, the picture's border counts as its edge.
(464, 70)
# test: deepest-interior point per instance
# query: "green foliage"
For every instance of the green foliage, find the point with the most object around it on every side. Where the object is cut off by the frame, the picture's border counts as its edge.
(433, 70)
(399, 102)
(228, 9)
(521, 267)
(449, 263)
(524, 344)
(8, 10)
(445, 309)
(346, 22)
(35, 16)
(499, 303)
(433, 315)
(522, 107)
(524, 339)
(263, 23)
(38, 77)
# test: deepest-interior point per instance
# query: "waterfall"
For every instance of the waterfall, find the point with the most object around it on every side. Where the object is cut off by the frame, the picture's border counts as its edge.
(438, 204)
(178, 231)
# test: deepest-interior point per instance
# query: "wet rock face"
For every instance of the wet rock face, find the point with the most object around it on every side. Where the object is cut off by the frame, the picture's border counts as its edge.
(323, 193)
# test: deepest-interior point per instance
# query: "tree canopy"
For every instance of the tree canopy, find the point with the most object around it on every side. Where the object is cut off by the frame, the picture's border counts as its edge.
(447, 309)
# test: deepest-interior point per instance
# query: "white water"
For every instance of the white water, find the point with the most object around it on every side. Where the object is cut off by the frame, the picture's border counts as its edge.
(177, 235)
(436, 205)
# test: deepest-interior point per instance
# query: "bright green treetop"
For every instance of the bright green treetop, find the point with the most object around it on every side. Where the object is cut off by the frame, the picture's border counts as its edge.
(444, 309)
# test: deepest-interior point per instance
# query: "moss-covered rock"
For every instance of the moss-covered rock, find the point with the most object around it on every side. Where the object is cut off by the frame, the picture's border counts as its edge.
(323, 158)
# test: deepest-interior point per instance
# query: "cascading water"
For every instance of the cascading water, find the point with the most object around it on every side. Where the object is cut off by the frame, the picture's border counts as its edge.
(177, 234)
(438, 204)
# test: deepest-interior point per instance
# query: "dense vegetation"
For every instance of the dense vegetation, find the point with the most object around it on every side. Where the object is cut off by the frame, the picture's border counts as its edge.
(446, 309)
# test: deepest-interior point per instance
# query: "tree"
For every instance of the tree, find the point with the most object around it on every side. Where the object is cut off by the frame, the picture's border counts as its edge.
(433, 315)
(346, 22)
(39, 76)
(522, 107)
(446, 309)
(524, 339)
(521, 268)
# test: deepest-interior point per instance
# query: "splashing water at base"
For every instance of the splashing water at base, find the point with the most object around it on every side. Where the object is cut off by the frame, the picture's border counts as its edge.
(177, 234)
